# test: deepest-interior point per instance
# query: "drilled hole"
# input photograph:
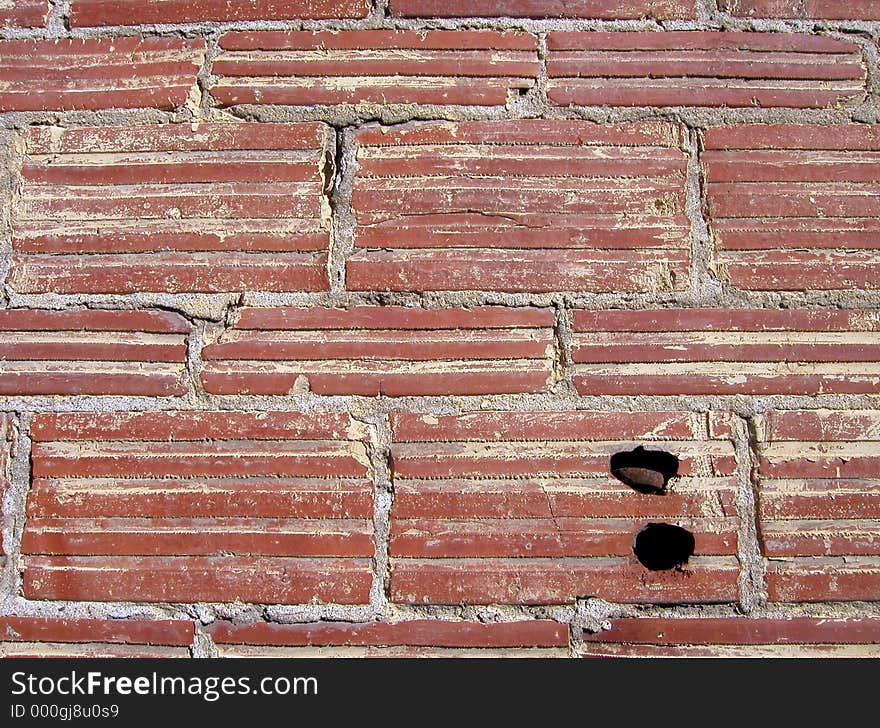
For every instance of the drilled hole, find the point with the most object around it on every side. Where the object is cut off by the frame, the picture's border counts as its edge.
(662, 546)
(647, 471)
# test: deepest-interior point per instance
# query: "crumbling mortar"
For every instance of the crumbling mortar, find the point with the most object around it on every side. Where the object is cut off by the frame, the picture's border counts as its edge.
(753, 590)
(18, 477)
(344, 220)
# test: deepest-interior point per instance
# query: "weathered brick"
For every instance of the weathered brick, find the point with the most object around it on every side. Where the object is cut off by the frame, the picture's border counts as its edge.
(51, 637)
(390, 350)
(415, 638)
(173, 208)
(720, 351)
(92, 352)
(736, 637)
(521, 508)
(795, 207)
(819, 504)
(198, 506)
(688, 68)
(525, 205)
(98, 73)
(805, 9)
(374, 67)
(85, 13)
(598, 9)
(23, 13)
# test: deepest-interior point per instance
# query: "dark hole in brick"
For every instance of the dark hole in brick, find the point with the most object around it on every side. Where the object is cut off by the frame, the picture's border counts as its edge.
(647, 471)
(662, 546)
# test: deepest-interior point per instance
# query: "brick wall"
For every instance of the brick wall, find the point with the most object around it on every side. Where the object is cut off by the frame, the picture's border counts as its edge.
(431, 327)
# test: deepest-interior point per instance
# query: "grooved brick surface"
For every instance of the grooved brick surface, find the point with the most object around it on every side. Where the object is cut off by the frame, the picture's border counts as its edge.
(820, 504)
(52, 637)
(392, 351)
(98, 73)
(189, 207)
(806, 9)
(207, 506)
(687, 68)
(795, 207)
(92, 352)
(718, 351)
(736, 637)
(520, 508)
(474, 68)
(526, 205)
(599, 9)
(23, 13)
(413, 638)
(132, 12)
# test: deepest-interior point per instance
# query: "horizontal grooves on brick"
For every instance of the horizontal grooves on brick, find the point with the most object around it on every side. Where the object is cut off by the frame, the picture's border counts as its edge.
(736, 636)
(210, 506)
(527, 205)
(597, 9)
(208, 207)
(374, 67)
(98, 73)
(392, 351)
(807, 9)
(819, 504)
(24, 14)
(420, 637)
(92, 353)
(85, 13)
(795, 207)
(716, 351)
(51, 637)
(702, 69)
(495, 507)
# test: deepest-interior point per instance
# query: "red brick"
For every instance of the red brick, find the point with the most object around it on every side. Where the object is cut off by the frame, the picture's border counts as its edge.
(598, 9)
(794, 207)
(414, 633)
(374, 67)
(204, 506)
(51, 637)
(525, 205)
(700, 351)
(735, 636)
(173, 208)
(92, 352)
(688, 68)
(98, 73)
(395, 351)
(805, 9)
(24, 14)
(819, 503)
(520, 507)
(85, 13)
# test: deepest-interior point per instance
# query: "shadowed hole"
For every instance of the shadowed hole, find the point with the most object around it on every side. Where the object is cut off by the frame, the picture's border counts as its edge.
(662, 546)
(647, 471)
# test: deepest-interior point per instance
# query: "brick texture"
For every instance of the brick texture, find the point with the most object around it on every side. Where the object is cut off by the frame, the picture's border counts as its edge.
(205, 207)
(806, 9)
(134, 12)
(23, 13)
(702, 69)
(392, 351)
(520, 508)
(715, 351)
(520, 206)
(98, 73)
(206, 506)
(795, 207)
(820, 504)
(475, 68)
(414, 638)
(736, 637)
(598, 9)
(92, 352)
(45, 637)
